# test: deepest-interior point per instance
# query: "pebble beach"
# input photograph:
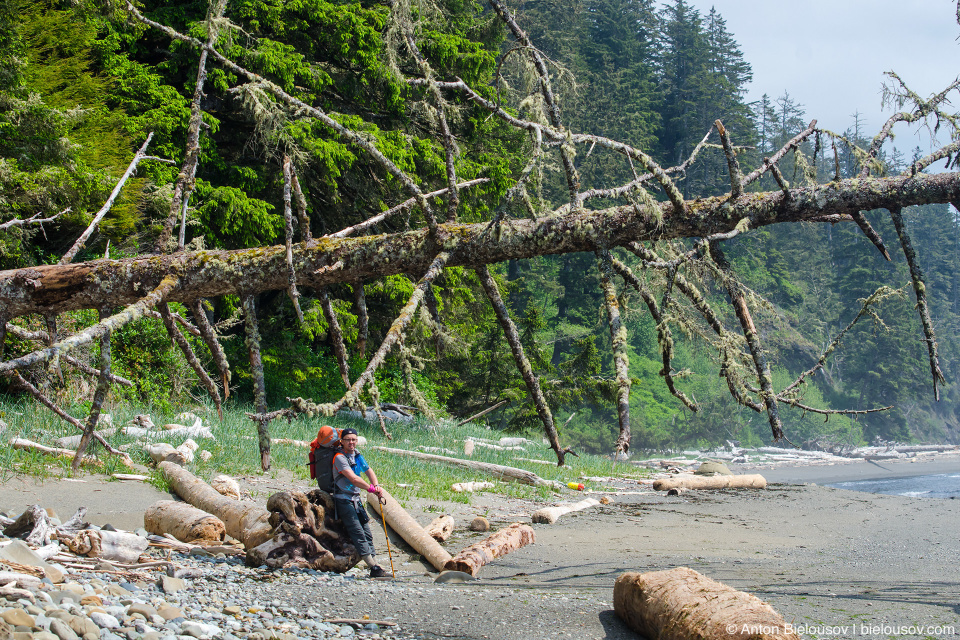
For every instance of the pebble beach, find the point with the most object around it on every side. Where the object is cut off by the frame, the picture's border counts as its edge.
(834, 563)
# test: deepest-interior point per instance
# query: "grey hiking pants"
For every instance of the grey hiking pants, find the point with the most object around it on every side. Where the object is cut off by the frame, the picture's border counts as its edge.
(356, 521)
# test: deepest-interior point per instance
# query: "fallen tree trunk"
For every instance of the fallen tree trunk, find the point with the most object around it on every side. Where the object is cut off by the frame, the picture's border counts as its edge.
(679, 604)
(500, 471)
(495, 546)
(441, 528)
(751, 481)
(404, 524)
(183, 521)
(50, 289)
(306, 534)
(549, 515)
(245, 521)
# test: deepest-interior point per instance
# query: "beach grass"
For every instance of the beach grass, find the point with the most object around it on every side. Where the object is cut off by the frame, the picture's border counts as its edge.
(235, 451)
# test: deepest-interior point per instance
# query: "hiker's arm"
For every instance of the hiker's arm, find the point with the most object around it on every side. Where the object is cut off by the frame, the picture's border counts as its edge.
(373, 480)
(357, 481)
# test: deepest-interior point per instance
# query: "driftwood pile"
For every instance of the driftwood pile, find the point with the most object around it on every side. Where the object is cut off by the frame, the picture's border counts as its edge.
(299, 529)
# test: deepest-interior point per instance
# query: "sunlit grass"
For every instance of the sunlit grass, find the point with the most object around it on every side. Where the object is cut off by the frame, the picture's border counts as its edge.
(235, 451)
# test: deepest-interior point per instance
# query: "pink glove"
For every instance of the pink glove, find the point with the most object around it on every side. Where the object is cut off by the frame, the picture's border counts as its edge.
(373, 488)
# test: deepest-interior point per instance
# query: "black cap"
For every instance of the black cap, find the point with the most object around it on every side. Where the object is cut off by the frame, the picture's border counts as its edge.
(347, 432)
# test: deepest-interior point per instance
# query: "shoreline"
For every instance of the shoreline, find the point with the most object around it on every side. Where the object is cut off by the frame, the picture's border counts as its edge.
(855, 470)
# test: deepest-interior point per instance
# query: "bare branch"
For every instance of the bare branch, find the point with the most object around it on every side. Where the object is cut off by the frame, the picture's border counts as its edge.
(256, 370)
(336, 335)
(793, 143)
(736, 178)
(739, 302)
(523, 364)
(920, 289)
(99, 395)
(34, 219)
(128, 315)
(288, 218)
(618, 336)
(363, 320)
(140, 155)
(191, 357)
(209, 336)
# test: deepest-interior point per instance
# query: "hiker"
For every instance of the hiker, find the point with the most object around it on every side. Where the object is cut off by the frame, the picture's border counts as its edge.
(346, 496)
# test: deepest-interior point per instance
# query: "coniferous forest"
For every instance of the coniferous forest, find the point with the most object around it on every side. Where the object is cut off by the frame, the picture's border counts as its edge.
(83, 85)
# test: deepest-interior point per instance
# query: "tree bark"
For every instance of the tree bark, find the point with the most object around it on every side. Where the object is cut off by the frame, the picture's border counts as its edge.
(54, 288)
(259, 387)
(495, 546)
(679, 604)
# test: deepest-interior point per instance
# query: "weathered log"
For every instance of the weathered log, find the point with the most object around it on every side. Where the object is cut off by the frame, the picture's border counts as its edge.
(215, 273)
(75, 524)
(441, 528)
(679, 604)
(33, 525)
(245, 521)
(750, 481)
(549, 515)
(500, 471)
(306, 534)
(470, 487)
(119, 546)
(183, 521)
(58, 452)
(495, 546)
(404, 524)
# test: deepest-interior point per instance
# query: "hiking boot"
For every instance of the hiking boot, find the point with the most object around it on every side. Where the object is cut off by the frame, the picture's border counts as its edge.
(378, 572)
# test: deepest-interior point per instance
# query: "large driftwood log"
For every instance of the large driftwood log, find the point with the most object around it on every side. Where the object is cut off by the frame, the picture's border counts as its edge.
(408, 528)
(495, 546)
(245, 521)
(306, 534)
(751, 481)
(549, 515)
(58, 452)
(680, 603)
(441, 528)
(501, 472)
(183, 521)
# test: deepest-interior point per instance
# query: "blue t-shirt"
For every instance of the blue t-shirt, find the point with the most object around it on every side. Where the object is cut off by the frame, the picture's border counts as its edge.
(342, 462)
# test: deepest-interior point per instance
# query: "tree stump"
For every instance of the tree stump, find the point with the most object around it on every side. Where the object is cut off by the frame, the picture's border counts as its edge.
(306, 534)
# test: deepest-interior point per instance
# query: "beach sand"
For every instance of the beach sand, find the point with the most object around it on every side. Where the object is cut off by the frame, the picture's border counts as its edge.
(836, 563)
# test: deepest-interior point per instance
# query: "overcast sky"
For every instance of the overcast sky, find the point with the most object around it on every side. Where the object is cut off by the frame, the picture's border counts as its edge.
(830, 55)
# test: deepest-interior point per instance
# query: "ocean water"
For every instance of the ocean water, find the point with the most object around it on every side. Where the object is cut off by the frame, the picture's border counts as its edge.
(943, 485)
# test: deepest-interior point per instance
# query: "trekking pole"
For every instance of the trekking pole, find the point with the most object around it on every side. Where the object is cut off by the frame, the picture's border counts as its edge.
(383, 519)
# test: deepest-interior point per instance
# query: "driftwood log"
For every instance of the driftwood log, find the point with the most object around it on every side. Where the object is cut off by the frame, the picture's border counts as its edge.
(184, 522)
(245, 521)
(549, 515)
(226, 486)
(118, 546)
(441, 528)
(408, 529)
(57, 452)
(306, 534)
(495, 546)
(499, 471)
(751, 481)
(470, 487)
(680, 603)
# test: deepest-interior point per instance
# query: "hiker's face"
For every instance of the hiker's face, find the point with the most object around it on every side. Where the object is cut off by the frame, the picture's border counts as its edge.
(350, 443)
